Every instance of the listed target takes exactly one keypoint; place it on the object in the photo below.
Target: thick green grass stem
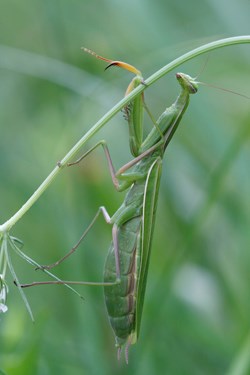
(112, 112)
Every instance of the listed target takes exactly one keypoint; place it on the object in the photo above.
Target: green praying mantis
(127, 262)
(128, 257)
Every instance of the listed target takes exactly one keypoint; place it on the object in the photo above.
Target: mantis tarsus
(126, 266)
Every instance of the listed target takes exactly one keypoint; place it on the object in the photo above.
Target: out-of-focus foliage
(196, 318)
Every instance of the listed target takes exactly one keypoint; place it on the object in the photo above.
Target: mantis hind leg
(108, 220)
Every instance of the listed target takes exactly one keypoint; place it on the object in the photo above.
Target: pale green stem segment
(111, 113)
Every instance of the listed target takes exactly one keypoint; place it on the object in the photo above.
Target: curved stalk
(112, 112)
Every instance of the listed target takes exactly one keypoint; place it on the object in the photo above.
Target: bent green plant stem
(112, 112)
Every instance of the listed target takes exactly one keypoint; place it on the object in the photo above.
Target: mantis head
(187, 83)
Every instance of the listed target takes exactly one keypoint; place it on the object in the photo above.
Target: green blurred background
(196, 317)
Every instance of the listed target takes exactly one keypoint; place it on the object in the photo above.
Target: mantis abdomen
(120, 298)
